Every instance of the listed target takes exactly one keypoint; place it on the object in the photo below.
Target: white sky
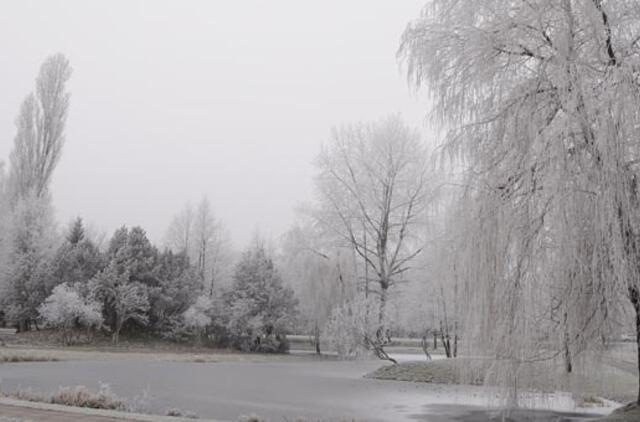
(172, 100)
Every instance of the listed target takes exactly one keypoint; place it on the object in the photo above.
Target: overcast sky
(173, 100)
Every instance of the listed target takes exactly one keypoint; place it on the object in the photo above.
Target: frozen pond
(330, 390)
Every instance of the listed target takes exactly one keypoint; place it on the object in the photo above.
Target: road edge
(125, 416)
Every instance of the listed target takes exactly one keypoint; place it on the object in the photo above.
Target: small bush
(174, 412)
(80, 396)
(29, 395)
(66, 308)
(250, 418)
(179, 413)
(26, 358)
(273, 344)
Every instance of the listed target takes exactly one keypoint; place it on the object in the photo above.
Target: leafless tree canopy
(373, 189)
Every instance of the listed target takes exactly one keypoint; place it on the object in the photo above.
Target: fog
(173, 100)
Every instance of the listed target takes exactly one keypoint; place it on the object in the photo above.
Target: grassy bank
(601, 380)
(628, 413)
(44, 346)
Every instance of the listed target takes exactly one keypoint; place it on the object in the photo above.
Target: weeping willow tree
(539, 101)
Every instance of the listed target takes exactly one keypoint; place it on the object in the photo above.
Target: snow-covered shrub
(174, 329)
(197, 318)
(66, 309)
(81, 396)
(349, 325)
(173, 411)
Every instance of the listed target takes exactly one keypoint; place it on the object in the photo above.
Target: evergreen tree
(259, 307)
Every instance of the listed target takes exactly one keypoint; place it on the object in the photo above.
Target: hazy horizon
(171, 103)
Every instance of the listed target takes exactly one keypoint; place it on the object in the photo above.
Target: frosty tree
(259, 307)
(539, 101)
(203, 238)
(373, 191)
(66, 308)
(318, 274)
(40, 135)
(28, 239)
(123, 300)
(197, 316)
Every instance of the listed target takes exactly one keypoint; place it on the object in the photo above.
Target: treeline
(349, 258)
(70, 283)
(133, 287)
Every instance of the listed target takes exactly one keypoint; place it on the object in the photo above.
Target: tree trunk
(425, 346)
(634, 296)
(23, 325)
(568, 365)
(115, 338)
(455, 345)
(380, 334)
(435, 340)
(316, 338)
(444, 337)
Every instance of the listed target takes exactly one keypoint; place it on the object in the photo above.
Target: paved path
(37, 415)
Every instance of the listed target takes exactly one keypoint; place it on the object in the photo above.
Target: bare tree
(373, 192)
(40, 135)
(539, 99)
(318, 273)
(204, 239)
(179, 234)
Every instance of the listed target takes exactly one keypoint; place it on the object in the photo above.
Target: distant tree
(198, 316)
(31, 244)
(118, 243)
(204, 230)
(132, 251)
(76, 232)
(40, 136)
(199, 234)
(66, 308)
(29, 235)
(141, 256)
(122, 299)
(77, 259)
(260, 310)
(311, 266)
(179, 286)
(179, 234)
(373, 191)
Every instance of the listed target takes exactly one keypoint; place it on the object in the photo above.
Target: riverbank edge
(125, 416)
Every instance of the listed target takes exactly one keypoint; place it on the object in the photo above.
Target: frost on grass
(104, 398)
(173, 411)
(78, 396)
